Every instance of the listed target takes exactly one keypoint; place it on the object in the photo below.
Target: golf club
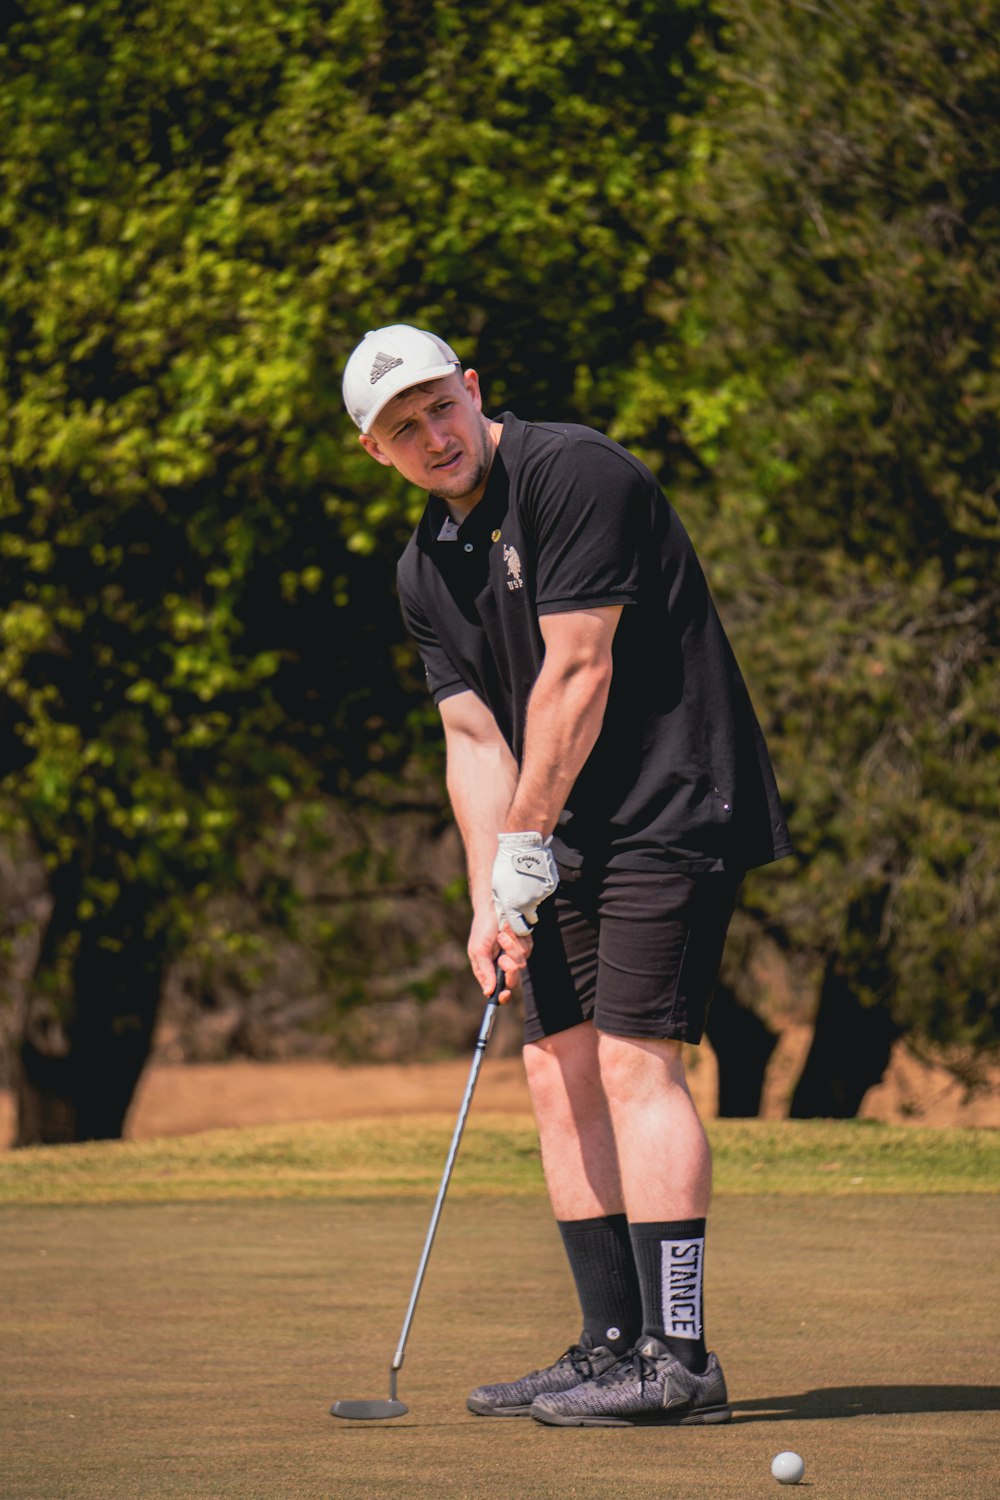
(368, 1411)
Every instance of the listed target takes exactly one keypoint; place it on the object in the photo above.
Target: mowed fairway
(161, 1341)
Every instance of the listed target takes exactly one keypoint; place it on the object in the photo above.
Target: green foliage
(757, 241)
(837, 386)
(202, 211)
(144, 403)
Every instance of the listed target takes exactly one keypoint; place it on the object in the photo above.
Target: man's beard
(483, 461)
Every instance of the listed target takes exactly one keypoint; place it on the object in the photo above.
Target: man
(611, 785)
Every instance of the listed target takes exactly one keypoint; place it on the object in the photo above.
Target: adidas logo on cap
(382, 365)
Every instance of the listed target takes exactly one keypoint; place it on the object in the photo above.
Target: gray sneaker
(583, 1361)
(647, 1387)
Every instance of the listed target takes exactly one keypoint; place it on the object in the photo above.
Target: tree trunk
(89, 1022)
(849, 1053)
(742, 1044)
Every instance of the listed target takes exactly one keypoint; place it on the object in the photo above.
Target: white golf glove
(524, 873)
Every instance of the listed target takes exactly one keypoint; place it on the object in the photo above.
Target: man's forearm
(513, 874)
(565, 715)
(481, 781)
(482, 775)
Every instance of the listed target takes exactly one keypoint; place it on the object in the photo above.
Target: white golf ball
(787, 1468)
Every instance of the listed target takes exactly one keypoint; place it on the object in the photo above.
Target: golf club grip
(485, 1030)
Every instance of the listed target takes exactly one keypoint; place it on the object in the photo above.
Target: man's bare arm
(481, 777)
(565, 714)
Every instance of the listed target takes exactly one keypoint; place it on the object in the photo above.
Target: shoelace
(579, 1358)
(631, 1366)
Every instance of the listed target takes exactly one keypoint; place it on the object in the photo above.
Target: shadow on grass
(808, 1406)
(867, 1401)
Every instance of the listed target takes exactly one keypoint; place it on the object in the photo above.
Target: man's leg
(579, 1156)
(666, 1192)
(575, 1131)
(644, 1082)
(581, 1171)
(580, 1162)
(661, 940)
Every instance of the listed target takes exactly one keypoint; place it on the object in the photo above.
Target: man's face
(437, 437)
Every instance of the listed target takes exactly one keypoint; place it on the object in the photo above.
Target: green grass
(366, 1159)
(190, 1351)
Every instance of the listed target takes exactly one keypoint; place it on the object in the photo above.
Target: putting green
(191, 1350)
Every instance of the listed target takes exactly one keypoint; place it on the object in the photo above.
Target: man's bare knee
(563, 1067)
(631, 1066)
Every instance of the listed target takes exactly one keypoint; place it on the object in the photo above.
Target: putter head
(368, 1411)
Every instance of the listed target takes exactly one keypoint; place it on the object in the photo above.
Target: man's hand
(488, 947)
(524, 874)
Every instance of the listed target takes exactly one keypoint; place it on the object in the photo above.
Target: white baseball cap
(390, 360)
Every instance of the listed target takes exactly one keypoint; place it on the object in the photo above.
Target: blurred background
(757, 241)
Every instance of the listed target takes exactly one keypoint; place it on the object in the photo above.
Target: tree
(835, 380)
(758, 241)
(202, 210)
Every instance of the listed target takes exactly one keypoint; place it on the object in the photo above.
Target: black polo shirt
(680, 776)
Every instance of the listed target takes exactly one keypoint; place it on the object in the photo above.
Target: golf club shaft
(489, 1016)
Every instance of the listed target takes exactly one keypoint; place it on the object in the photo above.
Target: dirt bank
(181, 1100)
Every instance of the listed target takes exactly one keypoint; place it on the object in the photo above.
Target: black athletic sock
(600, 1257)
(670, 1259)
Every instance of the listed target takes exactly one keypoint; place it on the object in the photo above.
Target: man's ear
(370, 445)
(471, 382)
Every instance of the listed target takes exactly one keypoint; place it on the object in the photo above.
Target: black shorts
(637, 953)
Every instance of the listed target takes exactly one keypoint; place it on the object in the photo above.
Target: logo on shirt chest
(514, 579)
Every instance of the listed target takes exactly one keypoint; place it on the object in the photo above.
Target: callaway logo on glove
(524, 873)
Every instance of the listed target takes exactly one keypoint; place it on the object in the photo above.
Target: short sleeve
(443, 680)
(590, 513)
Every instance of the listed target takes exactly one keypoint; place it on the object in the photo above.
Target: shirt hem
(450, 690)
